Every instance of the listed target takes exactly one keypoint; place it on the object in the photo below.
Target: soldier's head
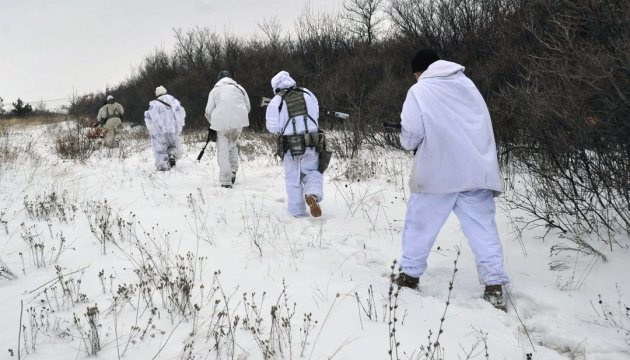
(223, 74)
(281, 81)
(422, 60)
(159, 91)
(110, 99)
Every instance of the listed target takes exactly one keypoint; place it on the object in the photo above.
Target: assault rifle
(392, 125)
(264, 101)
(395, 126)
(212, 136)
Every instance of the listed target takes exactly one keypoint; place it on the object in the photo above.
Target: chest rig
(296, 109)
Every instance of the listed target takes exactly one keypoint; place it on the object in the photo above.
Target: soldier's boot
(494, 295)
(313, 205)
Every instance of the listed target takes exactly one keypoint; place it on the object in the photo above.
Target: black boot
(233, 177)
(494, 295)
(404, 280)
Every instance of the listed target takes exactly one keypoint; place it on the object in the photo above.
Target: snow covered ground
(114, 259)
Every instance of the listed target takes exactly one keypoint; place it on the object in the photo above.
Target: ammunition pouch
(324, 154)
(114, 115)
(297, 144)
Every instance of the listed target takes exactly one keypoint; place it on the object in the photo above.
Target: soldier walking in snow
(165, 120)
(110, 118)
(293, 114)
(227, 112)
(445, 119)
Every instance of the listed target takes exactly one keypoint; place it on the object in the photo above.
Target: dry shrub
(71, 142)
(35, 119)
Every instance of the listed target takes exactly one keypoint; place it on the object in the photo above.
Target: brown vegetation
(33, 120)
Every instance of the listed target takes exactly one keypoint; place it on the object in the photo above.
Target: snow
(250, 255)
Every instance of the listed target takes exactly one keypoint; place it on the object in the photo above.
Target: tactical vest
(297, 143)
(296, 104)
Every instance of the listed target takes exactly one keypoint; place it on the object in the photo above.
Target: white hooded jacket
(277, 120)
(445, 117)
(228, 106)
(163, 119)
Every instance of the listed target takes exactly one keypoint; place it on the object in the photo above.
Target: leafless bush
(48, 206)
(574, 142)
(614, 315)
(276, 340)
(90, 336)
(71, 142)
(5, 272)
(43, 251)
(101, 221)
(14, 152)
(8, 152)
(4, 223)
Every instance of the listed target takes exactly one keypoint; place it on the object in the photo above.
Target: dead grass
(34, 120)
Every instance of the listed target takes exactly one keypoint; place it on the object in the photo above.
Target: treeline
(554, 73)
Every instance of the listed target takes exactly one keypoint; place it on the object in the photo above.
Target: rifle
(210, 136)
(392, 125)
(264, 101)
(395, 126)
(337, 114)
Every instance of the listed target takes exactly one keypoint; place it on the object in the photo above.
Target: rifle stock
(204, 147)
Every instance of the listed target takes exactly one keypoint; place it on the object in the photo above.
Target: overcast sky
(52, 48)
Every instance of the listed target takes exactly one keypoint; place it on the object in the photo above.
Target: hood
(441, 68)
(225, 81)
(282, 80)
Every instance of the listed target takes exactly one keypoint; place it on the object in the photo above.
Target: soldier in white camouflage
(293, 114)
(110, 118)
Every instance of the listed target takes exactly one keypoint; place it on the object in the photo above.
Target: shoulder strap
(304, 116)
(163, 102)
(242, 92)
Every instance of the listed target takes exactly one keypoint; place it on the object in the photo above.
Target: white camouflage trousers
(302, 178)
(227, 154)
(427, 213)
(114, 128)
(165, 145)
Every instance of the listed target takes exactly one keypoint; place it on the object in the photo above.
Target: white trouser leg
(113, 127)
(426, 214)
(160, 148)
(293, 186)
(233, 136)
(476, 213)
(312, 179)
(174, 145)
(225, 150)
(302, 178)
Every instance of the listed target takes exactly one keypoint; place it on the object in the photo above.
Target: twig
(57, 279)
(322, 327)
(509, 294)
(20, 329)
(168, 338)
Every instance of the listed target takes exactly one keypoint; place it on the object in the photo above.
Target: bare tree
(363, 19)
(272, 29)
